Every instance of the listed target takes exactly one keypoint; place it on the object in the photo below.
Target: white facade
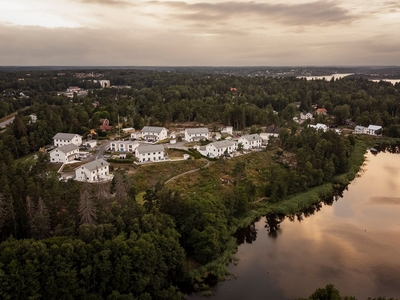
(306, 116)
(374, 130)
(227, 130)
(63, 139)
(105, 83)
(150, 153)
(136, 135)
(123, 146)
(94, 171)
(91, 144)
(217, 149)
(360, 129)
(319, 126)
(154, 133)
(33, 118)
(64, 154)
(196, 134)
(250, 141)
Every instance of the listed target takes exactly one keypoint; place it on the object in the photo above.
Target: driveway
(6, 122)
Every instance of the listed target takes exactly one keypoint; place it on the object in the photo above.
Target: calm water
(353, 243)
(327, 77)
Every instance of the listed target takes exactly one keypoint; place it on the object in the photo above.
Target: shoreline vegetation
(217, 270)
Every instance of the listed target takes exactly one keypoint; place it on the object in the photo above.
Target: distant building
(154, 133)
(64, 153)
(271, 131)
(62, 139)
(321, 111)
(150, 153)
(227, 130)
(250, 141)
(196, 134)
(374, 130)
(123, 146)
(360, 130)
(306, 116)
(217, 149)
(105, 83)
(105, 125)
(94, 171)
(33, 118)
(319, 126)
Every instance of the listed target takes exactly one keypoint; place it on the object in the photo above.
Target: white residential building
(227, 130)
(374, 130)
(360, 130)
(319, 126)
(250, 141)
(64, 153)
(306, 116)
(62, 139)
(123, 146)
(196, 134)
(94, 171)
(91, 143)
(217, 149)
(136, 135)
(33, 118)
(149, 153)
(154, 133)
(105, 83)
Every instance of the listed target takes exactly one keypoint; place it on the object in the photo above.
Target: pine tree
(87, 209)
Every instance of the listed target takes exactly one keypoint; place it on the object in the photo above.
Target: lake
(353, 243)
(392, 81)
(327, 77)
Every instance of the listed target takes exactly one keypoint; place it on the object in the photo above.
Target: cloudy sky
(199, 32)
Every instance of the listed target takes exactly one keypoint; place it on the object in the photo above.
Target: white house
(64, 153)
(319, 126)
(94, 171)
(374, 130)
(154, 133)
(145, 153)
(62, 139)
(33, 118)
(306, 116)
(91, 144)
(105, 83)
(217, 149)
(360, 129)
(227, 130)
(250, 141)
(123, 146)
(128, 130)
(136, 135)
(196, 134)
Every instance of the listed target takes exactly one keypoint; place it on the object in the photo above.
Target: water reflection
(352, 243)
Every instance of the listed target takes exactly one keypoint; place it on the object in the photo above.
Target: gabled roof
(152, 129)
(65, 136)
(66, 148)
(222, 144)
(374, 127)
(197, 130)
(273, 129)
(149, 148)
(252, 137)
(93, 165)
(359, 127)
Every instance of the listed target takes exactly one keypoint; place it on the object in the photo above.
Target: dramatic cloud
(204, 32)
(315, 13)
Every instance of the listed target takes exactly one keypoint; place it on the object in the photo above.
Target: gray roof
(149, 148)
(197, 130)
(65, 136)
(67, 148)
(360, 127)
(222, 144)
(272, 129)
(93, 165)
(374, 127)
(252, 137)
(152, 129)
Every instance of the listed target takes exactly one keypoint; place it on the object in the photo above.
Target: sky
(199, 32)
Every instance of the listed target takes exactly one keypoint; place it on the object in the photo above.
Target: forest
(69, 240)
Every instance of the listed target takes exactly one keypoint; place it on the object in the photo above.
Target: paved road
(102, 149)
(6, 122)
